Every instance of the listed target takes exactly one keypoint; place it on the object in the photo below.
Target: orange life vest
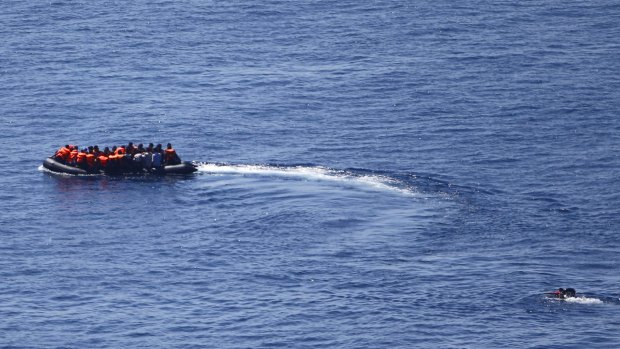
(120, 151)
(170, 155)
(73, 155)
(63, 153)
(103, 160)
(81, 157)
(90, 159)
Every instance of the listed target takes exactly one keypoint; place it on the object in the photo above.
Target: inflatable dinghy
(185, 167)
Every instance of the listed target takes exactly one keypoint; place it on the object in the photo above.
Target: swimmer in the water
(563, 293)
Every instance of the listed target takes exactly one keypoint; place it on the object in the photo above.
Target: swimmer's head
(569, 292)
(563, 293)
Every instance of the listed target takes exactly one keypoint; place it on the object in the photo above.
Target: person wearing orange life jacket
(121, 161)
(102, 158)
(113, 159)
(63, 154)
(73, 147)
(73, 155)
(81, 159)
(90, 159)
(170, 156)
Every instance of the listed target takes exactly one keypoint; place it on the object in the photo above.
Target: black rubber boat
(185, 167)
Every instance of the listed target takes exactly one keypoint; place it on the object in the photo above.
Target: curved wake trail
(314, 173)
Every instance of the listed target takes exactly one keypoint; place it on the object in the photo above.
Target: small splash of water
(583, 300)
(316, 173)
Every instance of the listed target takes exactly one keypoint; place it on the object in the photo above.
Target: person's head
(67, 146)
(158, 147)
(169, 146)
(114, 148)
(96, 148)
(106, 151)
(558, 293)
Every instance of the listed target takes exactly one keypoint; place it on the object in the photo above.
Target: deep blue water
(385, 174)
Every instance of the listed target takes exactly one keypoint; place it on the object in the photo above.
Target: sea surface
(372, 174)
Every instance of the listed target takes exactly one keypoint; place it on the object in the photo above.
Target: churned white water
(316, 173)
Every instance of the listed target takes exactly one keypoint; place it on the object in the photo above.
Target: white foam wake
(583, 300)
(311, 173)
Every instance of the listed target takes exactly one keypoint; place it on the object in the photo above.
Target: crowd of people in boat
(127, 158)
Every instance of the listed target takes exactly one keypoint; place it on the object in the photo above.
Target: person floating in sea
(562, 293)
